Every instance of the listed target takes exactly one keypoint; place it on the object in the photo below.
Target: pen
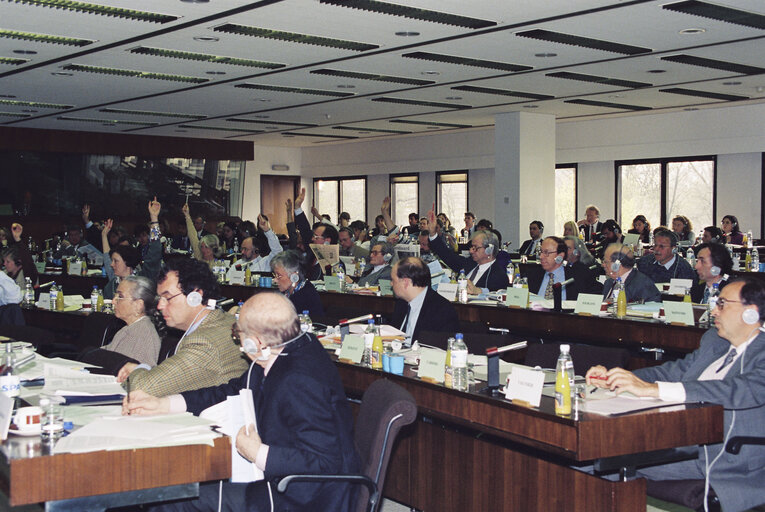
(127, 388)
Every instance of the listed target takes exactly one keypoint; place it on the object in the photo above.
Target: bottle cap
(68, 425)
(305, 311)
(458, 336)
(565, 348)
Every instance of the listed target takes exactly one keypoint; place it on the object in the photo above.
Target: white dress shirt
(414, 313)
(260, 264)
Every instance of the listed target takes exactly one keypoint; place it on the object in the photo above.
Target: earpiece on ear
(194, 299)
(750, 316)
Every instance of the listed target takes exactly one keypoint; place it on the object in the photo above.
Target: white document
(63, 381)
(679, 286)
(6, 412)
(36, 369)
(236, 276)
(241, 412)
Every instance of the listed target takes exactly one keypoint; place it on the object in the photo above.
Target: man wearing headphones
(320, 234)
(552, 269)
(728, 369)
(482, 269)
(379, 265)
(713, 265)
(348, 246)
(529, 247)
(251, 253)
(665, 264)
(205, 355)
(619, 262)
(304, 423)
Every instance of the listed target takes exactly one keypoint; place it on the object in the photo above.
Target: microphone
(356, 320)
(225, 302)
(45, 285)
(557, 295)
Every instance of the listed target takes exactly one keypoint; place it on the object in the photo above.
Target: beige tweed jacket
(206, 357)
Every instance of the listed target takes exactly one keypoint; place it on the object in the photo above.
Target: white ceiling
(336, 108)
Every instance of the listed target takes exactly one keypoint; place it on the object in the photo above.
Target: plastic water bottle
(714, 294)
(621, 299)
(755, 261)
(341, 277)
(736, 261)
(236, 246)
(448, 368)
(377, 350)
(94, 299)
(691, 258)
(564, 371)
(462, 292)
(306, 324)
(52, 421)
(459, 363)
(29, 293)
(510, 272)
(362, 266)
(749, 240)
(369, 339)
(53, 295)
(9, 380)
(239, 308)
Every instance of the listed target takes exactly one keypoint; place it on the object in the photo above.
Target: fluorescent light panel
(44, 38)
(131, 73)
(292, 37)
(412, 13)
(204, 57)
(101, 10)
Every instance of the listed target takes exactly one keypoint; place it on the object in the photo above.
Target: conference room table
(467, 451)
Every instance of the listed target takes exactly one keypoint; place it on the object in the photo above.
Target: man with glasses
(553, 269)
(320, 234)
(482, 269)
(665, 263)
(251, 252)
(205, 355)
(728, 369)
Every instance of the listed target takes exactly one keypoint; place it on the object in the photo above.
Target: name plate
(432, 364)
(588, 303)
(353, 348)
(332, 283)
(447, 291)
(679, 286)
(236, 276)
(517, 297)
(525, 384)
(386, 287)
(678, 312)
(75, 269)
(40, 266)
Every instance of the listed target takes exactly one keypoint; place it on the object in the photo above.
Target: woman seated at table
(205, 249)
(570, 229)
(290, 278)
(683, 228)
(136, 304)
(641, 226)
(732, 231)
(379, 265)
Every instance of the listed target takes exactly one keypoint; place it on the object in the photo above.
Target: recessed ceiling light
(453, 98)
(61, 73)
(25, 52)
(207, 39)
(531, 106)
(692, 31)
(732, 83)
(407, 33)
(214, 72)
(759, 88)
(657, 71)
(262, 100)
(433, 73)
(544, 55)
(346, 86)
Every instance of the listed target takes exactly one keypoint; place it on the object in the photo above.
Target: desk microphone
(492, 364)
(45, 285)
(557, 288)
(225, 302)
(346, 321)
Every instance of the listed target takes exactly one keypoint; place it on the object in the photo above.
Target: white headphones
(558, 259)
(489, 249)
(715, 270)
(294, 278)
(750, 316)
(250, 347)
(194, 299)
(387, 257)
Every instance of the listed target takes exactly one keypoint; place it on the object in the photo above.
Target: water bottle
(714, 294)
(236, 246)
(448, 368)
(306, 324)
(687, 296)
(736, 261)
(691, 258)
(94, 299)
(51, 422)
(755, 261)
(377, 350)
(9, 380)
(650, 239)
(462, 292)
(60, 299)
(459, 363)
(239, 308)
(53, 295)
(29, 293)
(100, 301)
(564, 378)
(749, 240)
(362, 266)
(510, 272)
(369, 338)
(341, 277)
(621, 299)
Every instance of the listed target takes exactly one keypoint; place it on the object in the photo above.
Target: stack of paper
(60, 381)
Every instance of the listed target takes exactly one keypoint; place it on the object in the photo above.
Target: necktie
(705, 299)
(549, 289)
(728, 360)
(472, 275)
(406, 318)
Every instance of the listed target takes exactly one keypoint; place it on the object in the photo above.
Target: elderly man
(590, 226)
(665, 263)
(553, 269)
(251, 253)
(205, 355)
(304, 424)
(482, 269)
(348, 246)
(619, 263)
(379, 265)
(713, 265)
(418, 308)
(728, 369)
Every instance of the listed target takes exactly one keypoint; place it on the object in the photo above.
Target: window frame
(338, 180)
(392, 180)
(663, 163)
(466, 172)
(574, 166)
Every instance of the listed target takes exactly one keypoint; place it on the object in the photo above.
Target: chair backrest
(385, 408)
(98, 329)
(10, 314)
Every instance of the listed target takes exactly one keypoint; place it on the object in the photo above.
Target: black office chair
(385, 408)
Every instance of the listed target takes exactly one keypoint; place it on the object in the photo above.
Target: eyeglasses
(235, 334)
(375, 252)
(476, 247)
(168, 299)
(549, 253)
(722, 302)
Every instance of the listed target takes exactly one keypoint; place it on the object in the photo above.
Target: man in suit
(552, 269)
(713, 265)
(728, 369)
(379, 265)
(304, 423)
(529, 247)
(347, 245)
(590, 226)
(665, 263)
(482, 269)
(205, 355)
(418, 308)
(320, 234)
(619, 263)
(470, 227)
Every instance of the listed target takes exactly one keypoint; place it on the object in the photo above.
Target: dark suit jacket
(437, 314)
(637, 286)
(304, 418)
(697, 290)
(584, 280)
(585, 230)
(307, 299)
(495, 278)
(680, 269)
(313, 269)
(526, 247)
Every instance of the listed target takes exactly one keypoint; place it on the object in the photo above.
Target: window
(452, 195)
(335, 195)
(565, 196)
(404, 197)
(663, 189)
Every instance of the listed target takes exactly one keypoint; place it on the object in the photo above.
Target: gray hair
(291, 261)
(271, 317)
(585, 256)
(143, 289)
(489, 238)
(212, 242)
(385, 247)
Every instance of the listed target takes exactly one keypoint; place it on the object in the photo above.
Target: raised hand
(86, 213)
(263, 223)
(154, 208)
(300, 198)
(185, 210)
(17, 229)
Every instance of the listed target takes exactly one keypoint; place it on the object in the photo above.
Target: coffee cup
(27, 419)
